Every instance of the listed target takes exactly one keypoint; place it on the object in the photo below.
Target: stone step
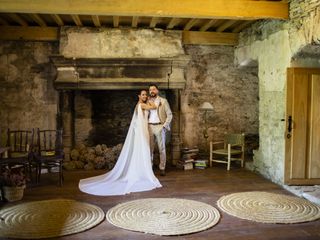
(312, 193)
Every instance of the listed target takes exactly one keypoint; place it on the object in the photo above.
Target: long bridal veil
(133, 170)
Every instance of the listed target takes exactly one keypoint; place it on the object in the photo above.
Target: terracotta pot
(12, 194)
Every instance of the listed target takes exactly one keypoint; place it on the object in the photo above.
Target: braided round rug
(49, 218)
(164, 216)
(269, 207)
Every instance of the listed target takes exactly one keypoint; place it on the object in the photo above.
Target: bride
(133, 170)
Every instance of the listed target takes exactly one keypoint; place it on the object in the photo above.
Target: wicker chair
(233, 150)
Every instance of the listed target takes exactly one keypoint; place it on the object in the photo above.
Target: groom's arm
(148, 106)
(167, 109)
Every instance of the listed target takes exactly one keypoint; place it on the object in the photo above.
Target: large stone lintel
(60, 61)
(119, 74)
(117, 85)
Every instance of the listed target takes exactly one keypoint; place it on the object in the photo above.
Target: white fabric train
(133, 170)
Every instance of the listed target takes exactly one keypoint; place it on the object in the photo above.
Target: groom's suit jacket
(164, 113)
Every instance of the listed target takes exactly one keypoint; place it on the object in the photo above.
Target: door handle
(289, 126)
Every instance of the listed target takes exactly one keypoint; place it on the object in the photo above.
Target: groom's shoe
(162, 172)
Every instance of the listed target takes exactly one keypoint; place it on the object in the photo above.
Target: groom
(159, 123)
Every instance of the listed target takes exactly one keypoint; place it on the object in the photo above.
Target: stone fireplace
(98, 85)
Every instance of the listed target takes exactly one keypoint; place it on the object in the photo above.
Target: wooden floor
(202, 185)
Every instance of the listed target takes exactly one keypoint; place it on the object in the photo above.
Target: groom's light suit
(158, 125)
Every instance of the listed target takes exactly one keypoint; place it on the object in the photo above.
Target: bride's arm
(148, 106)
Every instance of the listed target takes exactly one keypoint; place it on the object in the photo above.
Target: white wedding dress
(133, 170)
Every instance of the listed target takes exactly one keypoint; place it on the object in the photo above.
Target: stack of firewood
(98, 157)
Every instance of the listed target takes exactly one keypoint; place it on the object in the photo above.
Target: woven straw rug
(269, 207)
(164, 216)
(50, 218)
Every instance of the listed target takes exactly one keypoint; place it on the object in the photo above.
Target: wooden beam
(154, 22)
(135, 21)
(116, 21)
(242, 26)
(173, 22)
(15, 17)
(190, 24)
(57, 19)
(220, 9)
(209, 38)
(225, 25)
(29, 33)
(96, 20)
(76, 20)
(209, 24)
(35, 17)
(3, 21)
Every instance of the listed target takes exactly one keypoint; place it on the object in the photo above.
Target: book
(188, 166)
(200, 164)
(185, 166)
(189, 160)
(190, 151)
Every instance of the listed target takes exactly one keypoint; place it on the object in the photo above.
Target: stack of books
(200, 164)
(188, 156)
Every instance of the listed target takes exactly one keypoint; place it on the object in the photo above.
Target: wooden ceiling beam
(153, 22)
(190, 24)
(135, 21)
(52, 34)
(96, 20)
(77, 20)
(35, 17)
(219, 9)
(173, 22)
(29, 33)
(209, 38)
(15, 17)
(207, 25)
(225, 25)
(57, 19)
(116, 20)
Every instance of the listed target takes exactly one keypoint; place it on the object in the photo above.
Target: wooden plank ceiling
(202, 21)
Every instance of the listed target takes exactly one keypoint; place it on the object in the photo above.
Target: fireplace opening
(104, 116)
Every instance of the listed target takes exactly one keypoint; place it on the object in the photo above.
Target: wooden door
(302, 157)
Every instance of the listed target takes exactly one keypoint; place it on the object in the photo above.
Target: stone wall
(119, 43)
(274, 46)
(212, 77)
(28, 99)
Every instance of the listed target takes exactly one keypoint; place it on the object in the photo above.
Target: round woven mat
(50, 218)
(164, 216)
(269, 207)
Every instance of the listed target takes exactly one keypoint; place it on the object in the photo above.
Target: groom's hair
(153, 85)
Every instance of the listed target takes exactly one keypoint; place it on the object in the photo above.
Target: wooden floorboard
(202, 185)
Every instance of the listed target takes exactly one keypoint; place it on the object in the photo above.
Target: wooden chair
(49, 152)
(19, 146)
(233, 150)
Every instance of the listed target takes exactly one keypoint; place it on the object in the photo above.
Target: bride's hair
(139, 93)
(142, 90)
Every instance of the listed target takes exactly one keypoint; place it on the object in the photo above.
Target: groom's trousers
(158, 133)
